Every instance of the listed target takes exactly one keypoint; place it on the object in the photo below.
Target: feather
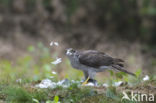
(95, 59)
(122, 70)
(118, 62)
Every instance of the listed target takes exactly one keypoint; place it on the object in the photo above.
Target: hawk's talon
(86, 81)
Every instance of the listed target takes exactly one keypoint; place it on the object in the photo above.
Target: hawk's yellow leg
(85, 82)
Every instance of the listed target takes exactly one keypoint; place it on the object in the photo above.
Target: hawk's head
(70, 52)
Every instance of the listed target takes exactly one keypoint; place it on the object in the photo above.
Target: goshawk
(92, 61)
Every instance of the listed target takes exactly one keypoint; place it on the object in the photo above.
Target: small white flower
(53, 72)
(57, 61)
(146, 78)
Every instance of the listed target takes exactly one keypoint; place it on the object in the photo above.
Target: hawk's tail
(118, 62)
(122, 70)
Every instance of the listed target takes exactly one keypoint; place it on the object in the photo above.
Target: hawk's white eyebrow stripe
(68, 52)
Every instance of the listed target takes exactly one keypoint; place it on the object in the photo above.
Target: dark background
(121, 28)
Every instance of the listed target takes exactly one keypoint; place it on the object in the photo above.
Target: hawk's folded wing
(95, 59)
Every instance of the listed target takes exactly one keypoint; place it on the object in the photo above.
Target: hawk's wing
(95, 59)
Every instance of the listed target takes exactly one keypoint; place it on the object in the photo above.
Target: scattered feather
(54, 43)
(51, 43)
(105, 85)
(73, 81)
(146, 78)
(57, 61)
(116, 84)
(47, 83)
(53, 72)
(89, 84)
